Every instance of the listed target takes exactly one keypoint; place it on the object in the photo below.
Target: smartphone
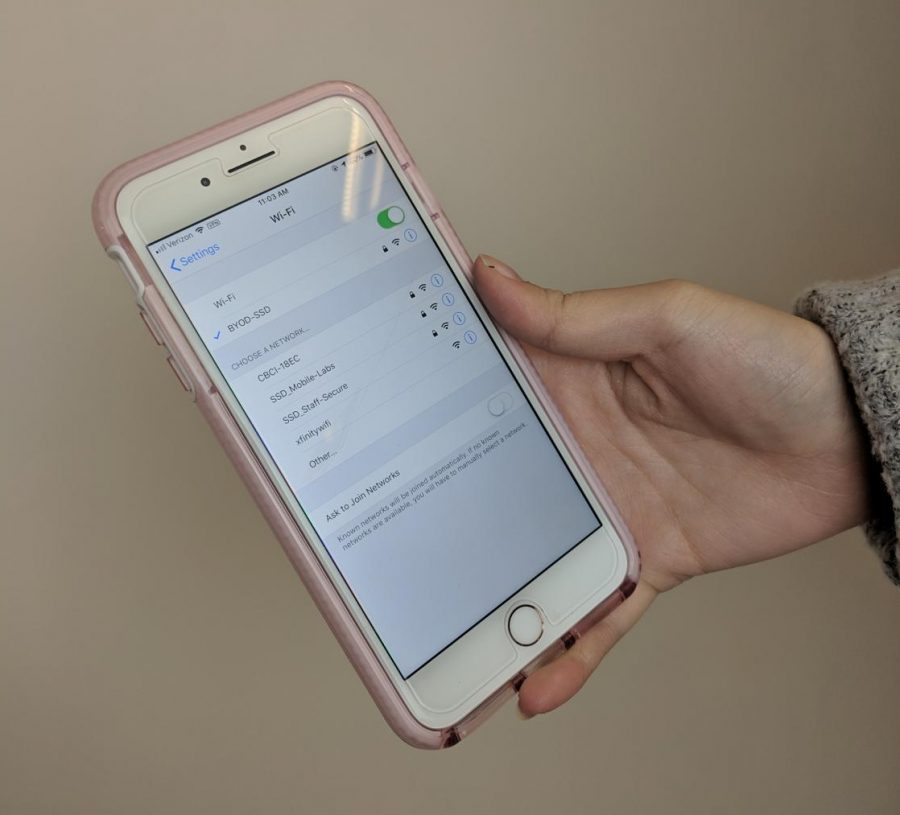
(315, 302)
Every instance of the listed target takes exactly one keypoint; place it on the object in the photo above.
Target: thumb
(604, 324)
(556, 683)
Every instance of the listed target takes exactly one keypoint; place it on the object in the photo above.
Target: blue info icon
(470, 337)
(448, 299)
(437, 280)
(459, 318)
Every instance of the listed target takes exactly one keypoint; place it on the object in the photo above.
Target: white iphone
(316, 303)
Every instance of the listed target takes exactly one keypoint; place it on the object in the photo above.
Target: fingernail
(523, 715)
(497, 265)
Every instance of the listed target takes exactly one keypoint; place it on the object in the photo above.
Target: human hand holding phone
(724, 429)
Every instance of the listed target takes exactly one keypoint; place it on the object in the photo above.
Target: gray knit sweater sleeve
(863, 319)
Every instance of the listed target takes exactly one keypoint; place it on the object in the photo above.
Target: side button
(182, 378)
(412, 172)
(131, 274)
(147, 320)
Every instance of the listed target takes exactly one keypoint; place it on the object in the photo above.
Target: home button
(525, 625)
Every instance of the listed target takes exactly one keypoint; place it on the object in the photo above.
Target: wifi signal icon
(433, 306)
(199, 230)
(456, 344)
(396, 241)
(422, 287)
(445, 325)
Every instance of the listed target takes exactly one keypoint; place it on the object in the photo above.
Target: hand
(721, 428)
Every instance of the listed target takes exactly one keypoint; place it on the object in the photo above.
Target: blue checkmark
(217, 335)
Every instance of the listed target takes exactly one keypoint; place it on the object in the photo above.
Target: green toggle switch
(390, 217)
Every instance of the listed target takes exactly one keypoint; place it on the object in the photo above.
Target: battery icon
(369, 152)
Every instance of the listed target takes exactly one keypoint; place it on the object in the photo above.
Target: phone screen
(356, 355)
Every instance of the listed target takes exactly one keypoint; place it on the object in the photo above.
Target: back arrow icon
(173, 267)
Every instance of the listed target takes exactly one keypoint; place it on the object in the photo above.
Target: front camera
(205, 181)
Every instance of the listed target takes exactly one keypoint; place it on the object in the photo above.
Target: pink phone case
(226, 429)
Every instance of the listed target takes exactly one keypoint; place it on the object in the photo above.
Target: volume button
(181, 376)
(149, 322)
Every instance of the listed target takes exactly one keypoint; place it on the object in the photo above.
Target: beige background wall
(157, 654)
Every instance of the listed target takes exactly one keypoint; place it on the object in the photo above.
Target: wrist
(862, 318)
